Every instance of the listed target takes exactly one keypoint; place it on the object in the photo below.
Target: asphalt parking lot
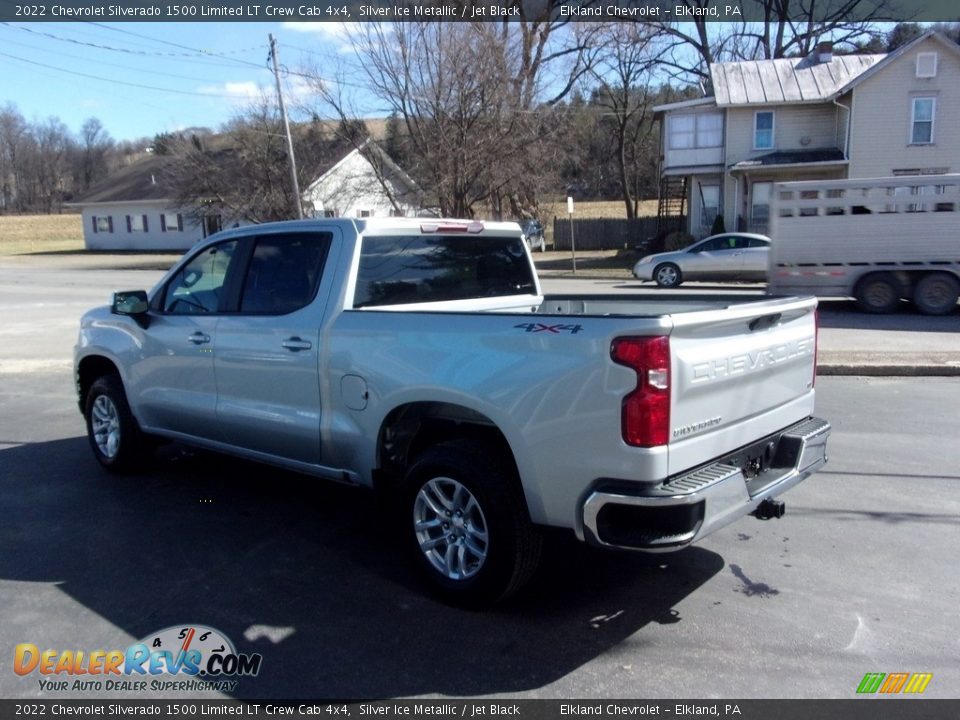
(858, 577)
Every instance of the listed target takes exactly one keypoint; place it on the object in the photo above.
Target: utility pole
(286, 127)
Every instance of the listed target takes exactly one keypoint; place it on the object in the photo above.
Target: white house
(825, 116)
(364, 182)
(135, 209)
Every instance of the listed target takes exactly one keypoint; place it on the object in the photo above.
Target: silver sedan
(729, 256)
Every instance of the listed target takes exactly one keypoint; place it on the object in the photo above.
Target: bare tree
(468, 102)
(774, 29)
(13, 133)
(91, 157)
(242, 173)
(50, 149)
(624, 73)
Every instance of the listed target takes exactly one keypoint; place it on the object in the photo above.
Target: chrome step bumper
(694, 504)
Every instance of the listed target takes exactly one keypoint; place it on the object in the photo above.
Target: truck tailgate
(739, 374)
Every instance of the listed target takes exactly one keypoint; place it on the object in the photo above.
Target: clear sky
(140, 79)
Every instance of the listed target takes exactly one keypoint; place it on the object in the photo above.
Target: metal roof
(787, 80)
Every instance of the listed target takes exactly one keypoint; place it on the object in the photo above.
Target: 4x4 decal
(556, 329)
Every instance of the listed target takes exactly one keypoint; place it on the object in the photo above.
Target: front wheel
(114, 434)
(667, 275)
(468, 526)
(878, 293)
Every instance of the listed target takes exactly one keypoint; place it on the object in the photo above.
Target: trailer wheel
(878, 293)
(936, 293)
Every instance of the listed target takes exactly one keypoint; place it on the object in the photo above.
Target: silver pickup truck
(420, 358)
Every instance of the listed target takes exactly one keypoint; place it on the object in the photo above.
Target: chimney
(824, 51)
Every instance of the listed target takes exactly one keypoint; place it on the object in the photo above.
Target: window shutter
(95, 224)
(163, 222)
(110, 223)
(145, 228)
(129, 224)
(179, 222)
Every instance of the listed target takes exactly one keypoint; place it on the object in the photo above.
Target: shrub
(677, 240)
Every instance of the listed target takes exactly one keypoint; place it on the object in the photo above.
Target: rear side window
(283, 273)
(433, 268)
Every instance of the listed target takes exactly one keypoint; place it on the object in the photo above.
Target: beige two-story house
(825, 116)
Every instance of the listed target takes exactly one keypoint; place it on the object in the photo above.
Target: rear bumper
(694, 504)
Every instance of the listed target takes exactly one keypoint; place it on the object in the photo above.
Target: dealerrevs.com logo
(183, 657)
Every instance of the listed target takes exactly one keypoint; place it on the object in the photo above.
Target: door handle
(199, 338)
(296, 344)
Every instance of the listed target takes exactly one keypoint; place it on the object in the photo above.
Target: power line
(115, 81)
(194, 52)
(109, 64)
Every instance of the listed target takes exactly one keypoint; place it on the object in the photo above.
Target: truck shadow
(204, 539)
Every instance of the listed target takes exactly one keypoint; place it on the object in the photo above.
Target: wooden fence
(604, 234)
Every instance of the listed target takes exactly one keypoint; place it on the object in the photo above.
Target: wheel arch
(89, 369)
(410, 428)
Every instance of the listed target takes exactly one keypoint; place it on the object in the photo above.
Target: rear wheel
(468, 526)
(878, 293)
(667, 275)
(936, 294)
(114, 434)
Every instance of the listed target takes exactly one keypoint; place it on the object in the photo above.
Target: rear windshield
(397, 270)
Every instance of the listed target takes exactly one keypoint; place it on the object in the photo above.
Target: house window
(763, 130)
(329, 213)
(921, 122)
(136, 223)
(709, 205)
(171, 222)
(703, 130)
(709, 130)
(102, 224)
(683, 132)
(926, 65)
(364, 213)
(760, 206)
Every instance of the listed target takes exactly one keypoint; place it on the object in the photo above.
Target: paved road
(858, 577)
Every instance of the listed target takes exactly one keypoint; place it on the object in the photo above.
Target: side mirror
(133, 303)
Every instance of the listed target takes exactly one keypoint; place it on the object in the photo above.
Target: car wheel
(667, 275)
(878, 293)
(114, 434)
(936, 294)
(468, 526)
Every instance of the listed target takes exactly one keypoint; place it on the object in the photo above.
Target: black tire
(936, 293)
(667, 275)
(116, 439)
(467, 524)
(878, 293)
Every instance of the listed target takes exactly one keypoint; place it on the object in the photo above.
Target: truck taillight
(646, 410)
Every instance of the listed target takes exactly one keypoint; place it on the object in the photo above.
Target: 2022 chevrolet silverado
(421, 358)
